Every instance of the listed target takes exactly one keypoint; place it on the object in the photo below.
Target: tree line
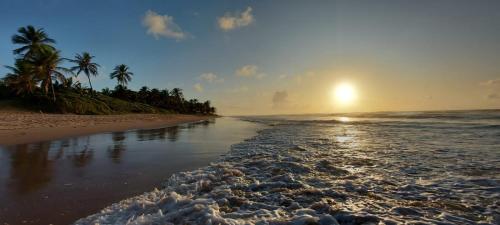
(39, 71)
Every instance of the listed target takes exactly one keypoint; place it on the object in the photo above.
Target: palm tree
(121, 74)
(47, 68)
(21, 78)
(206, 107)
(106, 91)
(85, 65)
(33, 41)
(178, 97)
(143, 94)
(177, 94)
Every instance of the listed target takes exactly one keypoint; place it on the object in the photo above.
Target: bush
(4, 91)
(71, 102)
(122, 106)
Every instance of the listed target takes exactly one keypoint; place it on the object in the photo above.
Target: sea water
(376, 168)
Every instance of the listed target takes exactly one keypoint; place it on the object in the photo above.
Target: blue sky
(283, 56)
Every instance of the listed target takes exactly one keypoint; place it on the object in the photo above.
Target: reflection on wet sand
(158, 134)
(32, 164)
(170, 133)
(83, 157)
(57, 182)
(31, 167)
(118, 146)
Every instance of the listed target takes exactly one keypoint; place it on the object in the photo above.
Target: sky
(283, 57)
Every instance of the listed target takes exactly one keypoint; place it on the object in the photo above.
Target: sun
(344, 93)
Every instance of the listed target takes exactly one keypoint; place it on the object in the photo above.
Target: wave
(301, 172)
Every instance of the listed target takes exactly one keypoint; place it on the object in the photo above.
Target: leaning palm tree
(21, 78)
(32, 40)
(47, 68)
(85, 65)
(121, 74)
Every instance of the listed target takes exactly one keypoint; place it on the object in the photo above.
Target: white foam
(279, 177)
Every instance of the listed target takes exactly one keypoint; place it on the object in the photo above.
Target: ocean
(364, 168)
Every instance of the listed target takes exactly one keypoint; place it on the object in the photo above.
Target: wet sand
(59, 181)
(25, 127)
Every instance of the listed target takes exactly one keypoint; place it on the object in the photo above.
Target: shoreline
(24, 128)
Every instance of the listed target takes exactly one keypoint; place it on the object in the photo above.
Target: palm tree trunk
(91, 92)
(53, 92)
(45, 87)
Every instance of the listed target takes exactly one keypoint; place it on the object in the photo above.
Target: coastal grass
(75, 103)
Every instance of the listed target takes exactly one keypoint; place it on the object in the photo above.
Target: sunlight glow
(344, 93)
(344, 119)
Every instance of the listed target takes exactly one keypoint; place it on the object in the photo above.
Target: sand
(24, 127)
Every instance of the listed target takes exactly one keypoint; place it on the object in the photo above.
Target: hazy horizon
(276, 57)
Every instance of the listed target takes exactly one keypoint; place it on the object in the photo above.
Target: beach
(61, 180)
(378, 168)
(19, 127)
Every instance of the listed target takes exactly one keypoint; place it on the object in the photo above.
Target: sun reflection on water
(344, 119)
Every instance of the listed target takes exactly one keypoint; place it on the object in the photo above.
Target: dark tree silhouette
(21, 79)
(85, 65)
(32, 40)
(39, 70)
(121, 74)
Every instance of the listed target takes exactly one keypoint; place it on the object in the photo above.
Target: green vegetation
(85, 65)
(39, 81)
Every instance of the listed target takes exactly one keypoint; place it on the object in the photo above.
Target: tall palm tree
(32, 40)
(178, 98)
(121, 74)
(206, 107)
(85, 65)
(177, 93)
(21, 78)
(47, 68)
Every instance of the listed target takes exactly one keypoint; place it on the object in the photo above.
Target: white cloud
(490, 82)
(250, 71)
(247, 71)
(261, 75)
(210, 78)
(197, 87)
(299, 79)
(283, 76)
(239, 89)
(162, 25)
(232, 21)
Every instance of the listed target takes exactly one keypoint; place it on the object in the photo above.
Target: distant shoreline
(24, 127)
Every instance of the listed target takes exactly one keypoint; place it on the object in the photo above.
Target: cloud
(283, 76)
(247, 71)
(299, 79)
(493, 96)
(490, 82)
(280, 99)
(210, 78)
(261, 75)
(162, 26)
(232, 21)
(197, 87)
(239, 89)
(250, 71)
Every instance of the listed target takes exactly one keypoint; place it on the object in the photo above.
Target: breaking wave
(332, 173)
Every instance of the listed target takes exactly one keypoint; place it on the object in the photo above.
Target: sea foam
(310, 173)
